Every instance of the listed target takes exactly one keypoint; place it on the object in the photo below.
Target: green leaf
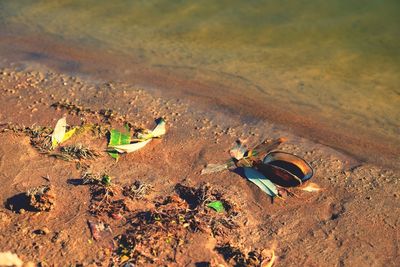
(118, 138)
(261, 181)
(106, 180)
(114, 154)
(217, 206)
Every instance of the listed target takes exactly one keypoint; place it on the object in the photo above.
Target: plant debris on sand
(104, 195)
(40, 136)
(137, 190)
(236, 256)
(79, 152)
(155, 236)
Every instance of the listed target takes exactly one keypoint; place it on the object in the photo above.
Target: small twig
(47, 178)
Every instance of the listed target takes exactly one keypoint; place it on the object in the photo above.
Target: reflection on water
(339, 59)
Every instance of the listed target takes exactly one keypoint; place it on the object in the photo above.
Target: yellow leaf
(69, 134)
(124, 258)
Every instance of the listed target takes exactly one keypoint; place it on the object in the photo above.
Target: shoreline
(196, 86)
(310, 229)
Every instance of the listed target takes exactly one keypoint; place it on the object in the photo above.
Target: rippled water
(337, 61)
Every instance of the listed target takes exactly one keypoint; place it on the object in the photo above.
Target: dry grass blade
(72, 108)
(104, 194)
(40, 136)
(91, 178)
(79, 152)
(237, 256)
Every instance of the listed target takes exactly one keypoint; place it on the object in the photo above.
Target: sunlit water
(338, 60)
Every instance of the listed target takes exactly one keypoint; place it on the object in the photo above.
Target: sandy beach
(352, 221)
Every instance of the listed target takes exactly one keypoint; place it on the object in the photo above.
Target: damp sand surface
(327, 71)
(353, 221)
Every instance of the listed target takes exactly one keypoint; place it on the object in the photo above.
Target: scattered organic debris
(43, 231)
(41, 198)
(40, 136)
(104, 194)
(72, 108)
(79, 152)
(121, 142)
(102, 180)
(91, 178)
(46, 139)
(137, 190)
(154, 236)
(241, 156)
(235, 256)
(99, 229)
(98, 130)
(282, 169)
(108, 115)
(106, 180)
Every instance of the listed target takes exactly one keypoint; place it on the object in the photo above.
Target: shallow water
(336, 62)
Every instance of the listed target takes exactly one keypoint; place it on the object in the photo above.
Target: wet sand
(197, 86)
(352, 222)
